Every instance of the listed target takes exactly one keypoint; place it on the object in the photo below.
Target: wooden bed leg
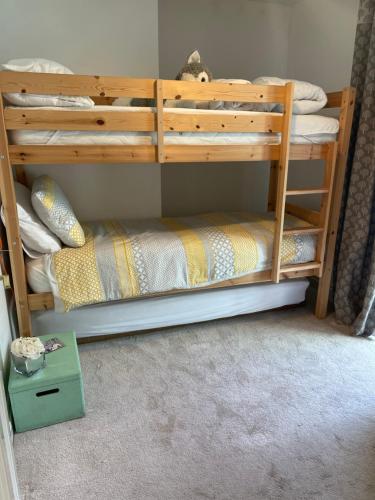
(12, 229)
(272, 186)
(329, 175)
(159, 119)
(21, 175)
(346, 118)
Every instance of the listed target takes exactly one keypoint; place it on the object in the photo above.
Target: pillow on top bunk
(43, 66)
(230, 105)
(56, 212)
(36, 237)
(307, 98)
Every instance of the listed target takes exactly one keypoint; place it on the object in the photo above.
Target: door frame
(8, 474)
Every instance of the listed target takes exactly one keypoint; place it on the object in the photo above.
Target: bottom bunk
(139, 258)
(159, 312)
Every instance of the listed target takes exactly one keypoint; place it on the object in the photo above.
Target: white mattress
(306, 129)
(144, 314)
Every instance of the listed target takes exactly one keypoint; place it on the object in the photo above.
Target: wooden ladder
(317, 225)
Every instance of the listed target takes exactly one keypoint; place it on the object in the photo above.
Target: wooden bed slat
(138, 154)
(334, 99)
(185, 153)
(220, 122)
(308, 151)
(44, 301)
(300, 267)
(82, 154)
(40, 301)
(311, 216)
(39, 119)
(302, 192)
(180, 90)
(143, 121)
(76, 85)
(49, 154)
(302, 230)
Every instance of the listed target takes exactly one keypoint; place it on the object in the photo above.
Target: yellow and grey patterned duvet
(127, 259)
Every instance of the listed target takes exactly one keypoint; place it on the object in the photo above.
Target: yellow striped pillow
(53, 208)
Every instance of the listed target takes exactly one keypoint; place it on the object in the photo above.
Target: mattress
(306, 129)
(134, 258)
(142, 314)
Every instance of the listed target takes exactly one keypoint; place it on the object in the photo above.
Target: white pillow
(231, 105)
(43, 66)
(307, 98)
(36, 237)
(240, 81)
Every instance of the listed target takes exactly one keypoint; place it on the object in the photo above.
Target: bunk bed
(160, 122)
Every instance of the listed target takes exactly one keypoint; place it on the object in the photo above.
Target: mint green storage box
(52, 395)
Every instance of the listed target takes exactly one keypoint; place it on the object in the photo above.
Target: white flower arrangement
(27, 347)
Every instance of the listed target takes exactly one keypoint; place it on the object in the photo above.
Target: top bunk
(124, 134)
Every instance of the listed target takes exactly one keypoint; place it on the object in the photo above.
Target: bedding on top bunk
(305, 129)
(128, 259)
(307, 97)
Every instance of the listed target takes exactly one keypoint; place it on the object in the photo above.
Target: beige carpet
(276, 405)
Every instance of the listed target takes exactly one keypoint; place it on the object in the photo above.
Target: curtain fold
(355, 277)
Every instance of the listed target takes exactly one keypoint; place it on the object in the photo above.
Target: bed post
(346, 118)
(159, 119)
(8, 198)
(272, 186)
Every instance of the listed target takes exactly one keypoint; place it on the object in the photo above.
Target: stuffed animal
(193, 71)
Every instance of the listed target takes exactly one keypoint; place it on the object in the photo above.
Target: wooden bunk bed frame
(334, 154)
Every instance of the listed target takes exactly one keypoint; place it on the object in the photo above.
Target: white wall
(112, 37)
(238, 39)
(321, 41)
(321, 46)
(305, 39)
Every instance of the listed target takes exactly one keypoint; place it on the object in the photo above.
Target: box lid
(62, 365)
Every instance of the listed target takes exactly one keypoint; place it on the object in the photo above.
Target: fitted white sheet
(158, 312)
(306, 129)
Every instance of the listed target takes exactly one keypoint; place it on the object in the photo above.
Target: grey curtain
(355, 278)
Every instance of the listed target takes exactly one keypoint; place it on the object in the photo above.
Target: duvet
(127, 259)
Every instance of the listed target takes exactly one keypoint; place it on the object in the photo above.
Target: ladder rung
(302, 230)
(300, 267)
(296, 192)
